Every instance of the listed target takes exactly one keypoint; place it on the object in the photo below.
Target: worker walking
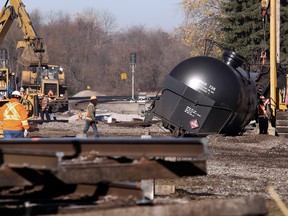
(13, 118)
(91, 117)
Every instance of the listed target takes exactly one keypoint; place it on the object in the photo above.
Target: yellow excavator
(39, 78)
(34, 52)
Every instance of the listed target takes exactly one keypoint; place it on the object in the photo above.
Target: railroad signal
(133, 58)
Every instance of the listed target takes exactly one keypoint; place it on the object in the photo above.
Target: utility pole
(133, 66)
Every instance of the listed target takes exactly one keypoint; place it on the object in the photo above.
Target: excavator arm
(34, 52)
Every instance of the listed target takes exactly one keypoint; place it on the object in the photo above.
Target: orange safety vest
(13, 116)
(262, 111)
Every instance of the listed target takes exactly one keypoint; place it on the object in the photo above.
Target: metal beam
(135, 147)
(93, 173)
(135, 171)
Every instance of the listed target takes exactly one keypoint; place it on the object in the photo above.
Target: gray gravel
(75, 126)
(237, 166)
(240, 166)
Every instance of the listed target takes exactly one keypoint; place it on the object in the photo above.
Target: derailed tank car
(204, 95)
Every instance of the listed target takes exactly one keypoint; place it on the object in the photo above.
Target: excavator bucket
(31, 58)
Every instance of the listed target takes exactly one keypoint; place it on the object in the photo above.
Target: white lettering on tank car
(190, 111)
(201, 86)
(211, 89)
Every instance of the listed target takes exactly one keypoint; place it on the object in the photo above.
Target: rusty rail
(154, 147)
(43, 167)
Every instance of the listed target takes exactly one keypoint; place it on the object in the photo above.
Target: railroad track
(44, 176)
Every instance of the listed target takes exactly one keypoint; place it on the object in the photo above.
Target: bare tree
(153, 48)
(93, 53)
(108, 21)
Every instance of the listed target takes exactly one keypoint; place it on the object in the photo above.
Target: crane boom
(38, 78)
(34, 52)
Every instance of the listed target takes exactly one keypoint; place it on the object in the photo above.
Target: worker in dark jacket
(91, 117)
(263, 117)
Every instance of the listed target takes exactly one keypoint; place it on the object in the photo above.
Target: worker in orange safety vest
(45, 108)
(13, 118)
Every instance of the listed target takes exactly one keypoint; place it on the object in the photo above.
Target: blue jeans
(94, 127)
(46, 113)
(13, 134)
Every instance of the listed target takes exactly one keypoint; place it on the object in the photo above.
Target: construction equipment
(278, 95)
(5, 77)
(39, 78)
(50, 81)
(34, 49)
(275, 85)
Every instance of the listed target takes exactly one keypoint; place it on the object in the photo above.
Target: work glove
(25, 133)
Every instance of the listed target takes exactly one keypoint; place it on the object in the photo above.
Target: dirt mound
(87, 93)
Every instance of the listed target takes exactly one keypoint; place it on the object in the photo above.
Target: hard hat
(16, 94)
(93, 97)
(22, 89)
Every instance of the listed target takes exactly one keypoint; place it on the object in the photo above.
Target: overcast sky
(165, 14)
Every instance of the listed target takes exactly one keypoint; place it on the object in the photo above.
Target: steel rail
(129, 147)
(37, 163)
(93, 173)
(106, 98)
(154, 169)
(46, 121)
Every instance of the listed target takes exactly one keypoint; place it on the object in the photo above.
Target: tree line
(237, 25)
(92, 53)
